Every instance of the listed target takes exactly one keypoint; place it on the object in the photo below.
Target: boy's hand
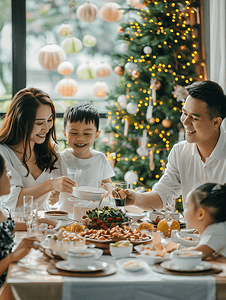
(108, 186)
(54, 197)
(132, 197)
(63, 184)
(24, 248)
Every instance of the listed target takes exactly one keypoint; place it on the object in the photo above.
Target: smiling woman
(28, 145)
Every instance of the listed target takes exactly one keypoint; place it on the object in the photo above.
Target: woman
(6, 232)
(27, 143)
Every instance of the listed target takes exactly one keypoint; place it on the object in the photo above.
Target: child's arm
(107, 185)
(206, 250)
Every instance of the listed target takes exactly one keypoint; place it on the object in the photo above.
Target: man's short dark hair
(211, 93)
(80, 112)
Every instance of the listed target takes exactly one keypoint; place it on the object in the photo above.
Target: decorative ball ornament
(71, 45)
(124, 47)
(50, 56)
(89, 40)
(131, 177)
(65, 30)
(136, 3)
(151, 120)
(132, 108)
(111, 12)
(120, 29)
(104, 70)
(100, 89)
(65, 68)
(122, 100)
(130, 67)
(67, 87)
(86, 71)
(135, 74)
(166, 123)
(157, 84)
(87, 12)
(119, 70)
(147, 50)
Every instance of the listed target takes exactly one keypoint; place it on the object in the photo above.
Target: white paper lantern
(147, 50)
(131, 177)
(100, 89)
(67, 87)
(130, 67)
(103, 70)
(89, 40)
(86, 71)
(65, 68)
(65, 29)
(71, 45)
(122, 100)
(132, 108)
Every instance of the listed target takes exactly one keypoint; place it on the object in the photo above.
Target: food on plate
(51, 223)
(75, 227)
(146, 226)
(188, 238)
(115, 233)
(106, 217)
(132, 264)
(163, 226)
(121, 244)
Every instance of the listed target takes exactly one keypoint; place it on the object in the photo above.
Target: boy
(81, 130)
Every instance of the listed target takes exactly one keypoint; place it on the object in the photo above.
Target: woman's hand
(63, 184)
(23, 249)
(54, 197)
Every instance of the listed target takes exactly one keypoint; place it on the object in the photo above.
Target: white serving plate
(93, 267)
(202, 266)
(88, 193)
(56, 214)
(122, 262)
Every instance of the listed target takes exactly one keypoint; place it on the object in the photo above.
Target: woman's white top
(19, 179)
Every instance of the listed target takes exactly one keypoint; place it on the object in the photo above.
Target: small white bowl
(185, 242)
(88, 193)
(150, 257)
(83, 257)
(121, 251)
(186, 260)
(131, 265)
(137, 217)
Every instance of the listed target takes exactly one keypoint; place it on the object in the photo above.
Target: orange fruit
(163, 226)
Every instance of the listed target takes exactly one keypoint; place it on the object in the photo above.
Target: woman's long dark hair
(19, 122)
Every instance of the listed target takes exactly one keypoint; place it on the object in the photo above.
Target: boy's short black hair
(80, 112)
(211, 93)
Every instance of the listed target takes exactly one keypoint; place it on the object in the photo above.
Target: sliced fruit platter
(104, 218)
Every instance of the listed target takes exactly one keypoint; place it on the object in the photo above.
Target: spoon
(158, 211)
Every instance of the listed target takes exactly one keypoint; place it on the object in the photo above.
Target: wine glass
(28, 209)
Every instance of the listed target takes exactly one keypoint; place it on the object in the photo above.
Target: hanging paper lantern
(87, 12)
(132, 108)
(124, 46)
(122, 100)
(111, 12)
(50, 56)
(89, 41)
(119, 70)
(120, 29)
(65, 29)
(131, 177)
(130, 67)
(147, 50)
(166, 123)
(136, 3)
(100, 89)
(71, 45)
(86, 71)
(65, 68)
(103, 70)
(67, 87)
(135, 74)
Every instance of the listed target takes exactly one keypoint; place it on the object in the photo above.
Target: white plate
(122, 264)
(58, 225)
(150, 257)
(203, 266)
(88, 193)
(93, 267)
(55, 215)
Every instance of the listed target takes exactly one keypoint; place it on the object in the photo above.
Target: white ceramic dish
(150, 257)
(56, 214)
(88, 193)
(186, 259)
(188, 230)
(121, 251)
(131, 265)
(137, 217)
(182, 238)
(82, 258)
(58, 225)
(202, 266)
(93, 267)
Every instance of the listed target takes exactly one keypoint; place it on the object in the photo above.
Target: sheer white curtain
(218, 43)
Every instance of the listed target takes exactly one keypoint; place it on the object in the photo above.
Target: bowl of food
(121, 249)
(131, 264)
(56, 214)
(187, 239)
(88, 193)
(186, 260)
(137, 217)
(83, 257)
(151, 257)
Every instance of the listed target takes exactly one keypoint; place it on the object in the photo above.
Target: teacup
(84, 257)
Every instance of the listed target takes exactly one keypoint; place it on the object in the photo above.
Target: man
(201, 157)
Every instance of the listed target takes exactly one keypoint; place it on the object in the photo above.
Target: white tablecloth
(144, 285)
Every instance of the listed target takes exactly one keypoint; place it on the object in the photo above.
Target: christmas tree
(161, 55)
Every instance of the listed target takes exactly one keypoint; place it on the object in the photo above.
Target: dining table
(36, 277)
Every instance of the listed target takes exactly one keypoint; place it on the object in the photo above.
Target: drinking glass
(15, 214)
(169, 219)
(42, 232)
(119, 201)
(28, 209)
(74, 173)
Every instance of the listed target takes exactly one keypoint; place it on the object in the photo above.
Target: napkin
(162, 250)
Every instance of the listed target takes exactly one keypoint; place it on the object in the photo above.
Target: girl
(205, 211)
(6, 232)
(27, 143)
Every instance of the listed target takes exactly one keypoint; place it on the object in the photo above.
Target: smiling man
(201, 157)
